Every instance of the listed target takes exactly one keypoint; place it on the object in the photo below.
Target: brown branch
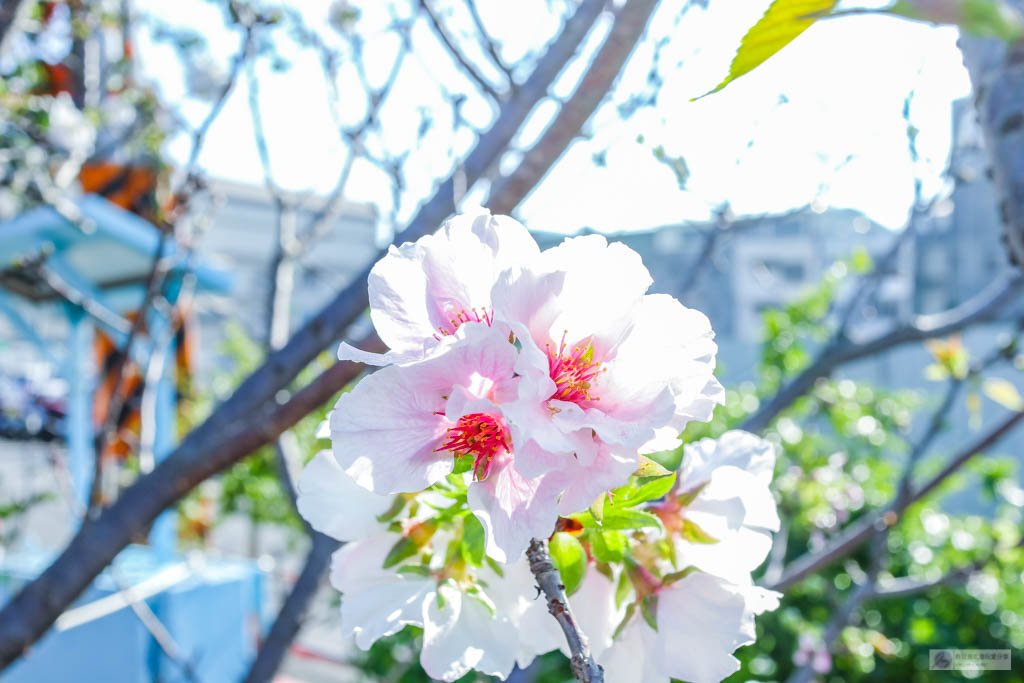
(853, 536)
(983, 308)
(456, 53)
(584, 668)
(250, 418)
(489, 44)
(292, 614)
(629, 25)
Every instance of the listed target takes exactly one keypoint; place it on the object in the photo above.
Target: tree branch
(584, 668)
(250, 418)
(629, 25)
(985, 307)
(489, 44)
(456, 53)
(860, 531)
(289, 619)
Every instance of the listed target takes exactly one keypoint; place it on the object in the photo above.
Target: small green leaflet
(694, 534)
(781, 23)
(629, 519)
(651, 490)
(608, 546)
(415, 569)
(402, 550)
(688, 497)
(649, 610)
(669, 579)
(569, 558)
(392, 512)
(622, 589)
(473, 540)
(649, 468)
(477, 593)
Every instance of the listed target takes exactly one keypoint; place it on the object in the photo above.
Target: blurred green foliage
(841, 448)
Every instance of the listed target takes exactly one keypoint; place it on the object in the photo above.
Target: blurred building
(242, 238)
(768, 261)
(960, 251)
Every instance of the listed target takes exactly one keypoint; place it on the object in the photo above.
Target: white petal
(335, 505)
(609, 469)
(737, 448)
(416, 290)
(669, 347)
(700, 623)
(513, 509)
(376, 602)
(631, 658)
(463, 635)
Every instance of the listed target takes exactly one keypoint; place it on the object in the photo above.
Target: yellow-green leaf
(569, 558)
(649, 468)
(782, 22)
(1004, 393)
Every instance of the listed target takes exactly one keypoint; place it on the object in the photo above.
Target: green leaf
(688, 497)
(1004, 393)
(569, 558)
(608, 546)
(694, 534)
(597, 509)
(463, 463)
(669, 579)
(986, 18)
(667, 550)
(495, 567)
(781, 23)
(478, 594)
(629, 518)
(649, 610)
(630, 611)
(416, 569)
(473, 540)
(649, 468)
(622, 589)
(653, 489)
(403, 550)
(392, 512)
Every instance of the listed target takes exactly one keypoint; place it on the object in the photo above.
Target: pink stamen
(479, 435)
(481, 315)
(573, 372)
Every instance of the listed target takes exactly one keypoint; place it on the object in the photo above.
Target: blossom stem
(584, 668)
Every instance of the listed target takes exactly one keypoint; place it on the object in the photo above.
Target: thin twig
(984, 307)
(857, 533)
(584, 668)
(250, 418)
(453, 49)
(489, 44)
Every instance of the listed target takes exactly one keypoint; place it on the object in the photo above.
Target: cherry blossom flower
(721, 512)
(423, 291)
(401, 429)
(701, 619)
(600, 357)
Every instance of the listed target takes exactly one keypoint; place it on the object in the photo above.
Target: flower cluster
(520, 393)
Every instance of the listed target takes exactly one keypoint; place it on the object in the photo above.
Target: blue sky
(821, 121)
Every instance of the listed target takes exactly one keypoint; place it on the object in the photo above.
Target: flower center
(479, 436)
(573, 372)
(456, 319)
